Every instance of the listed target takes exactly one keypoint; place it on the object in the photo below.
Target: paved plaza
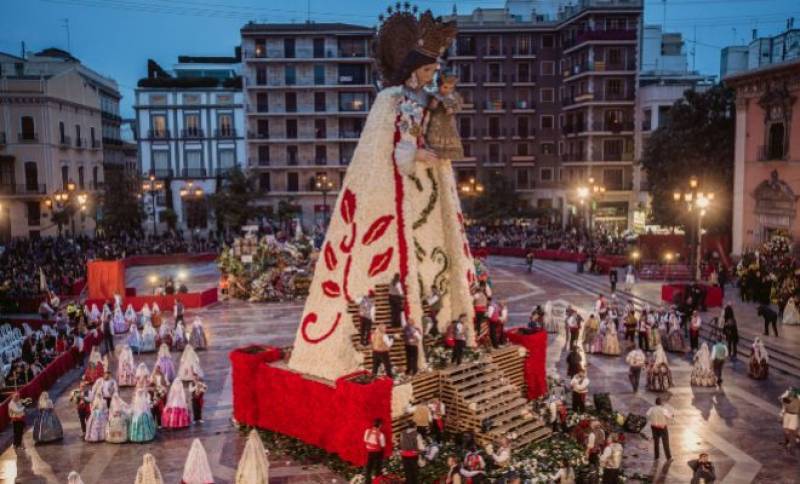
(738, 426)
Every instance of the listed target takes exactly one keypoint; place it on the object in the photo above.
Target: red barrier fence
(669, 293)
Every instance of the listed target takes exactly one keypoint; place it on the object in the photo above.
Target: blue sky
(116, 37)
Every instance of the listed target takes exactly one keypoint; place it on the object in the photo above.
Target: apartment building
(550, 101)
(307, 89)
(761, 51)
(50, 142)
(189, 131)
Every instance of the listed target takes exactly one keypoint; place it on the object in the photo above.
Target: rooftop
(789, 65)
(252, 27)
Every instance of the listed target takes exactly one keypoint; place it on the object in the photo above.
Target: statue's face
(425, 73)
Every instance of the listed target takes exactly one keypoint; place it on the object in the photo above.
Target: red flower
(377, 229)
(348, 206)
(380, 262)
(331, 289)
(311, 318)
(330, 257)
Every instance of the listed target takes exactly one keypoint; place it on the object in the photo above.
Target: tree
(170, 218)
(698, 141)
(498, 201)
(234, 203)
(121, 208)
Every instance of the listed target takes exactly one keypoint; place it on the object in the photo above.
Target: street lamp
(190, 194)
(324, 184)
(472, 187)
(63, 200)
(697, 202)
(152, 187)
(589, 194)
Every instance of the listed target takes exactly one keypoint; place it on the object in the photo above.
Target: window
(95, 181)
(288, 48)
(64, 176)
(225, 124)
(466, 97)
(34, 213)
(465, 72)
(524, 179)
(161, 162)
(647, 117)
(494, 45)
(291, 128)
(78, 140)
(546, 174)
(612, 179)
(352, 47)
(547, 148)
(191, 99)
(495, 73)
(467, 150)
(62, 133)
(320, 129)
(320, 102)
(548, 41)
(292, 181)
(523, 72)
(614, 88)
(261, 76)
(524, 45)
(159, 99)
(664, 116)
(547, 94)
(262, 102)
(158, 122)
(81, 180)
(522, 149)
(319, 48)
(291, 155)
(465, 45)
(31, 176)
(289, 75)
(320, 155)
(352, 74)
(264, 184)
(263, 155)
(494, 153)
(290, 102)
(92, 136)
(494, 126)
(523, 127)
(465, 127)
(523, 98)
(776, 139)
(262, 129)
(261, 48)
(612, 149)
(191, 124)
(352, 101)
(193, 160)
(27, 129)
(319, 74)
(613, 57)
(547, 121)
(227, 159)
(548, 68)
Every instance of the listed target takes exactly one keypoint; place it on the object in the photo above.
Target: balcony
(524, 105)
(192, 133)
(349, 134)
(573, 128)
(605, 35)
(525, 133)
(617, 156)
(80, 143)
(494, 133)
(225, 133)
(771, 153)
(158, 134)
(353, 107)
(193, 173)
(529, 79)
(162, 173)
(258, 161)
(257, 135)
(524, 51)
(573, 157)
(65, 142)
(494, 106)
(352, 53)
(27, 137)
(11, 189)
(498, 79)
(493, 52)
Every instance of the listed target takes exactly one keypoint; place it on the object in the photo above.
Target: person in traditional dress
(106, 314)
(630, 278)
(134, 340)
(94, 367)
(189, 365)
(176, 413)
(596, 345)
(131, 318)
(197, 470)
(47, 426)
(149, 335)
(148, 472)
(651, 325)
(94, 315)
(791, 315)
(142, 376)
(674, 340)
(142, 427)
(165, 334)
(74, 478)
(164, 363)
(549, 322)
(119, 417)
(179, 341)
(659, 376)
(702, 372)
(759, 361)
(611, 344)
(98, 420)
(253, 466)
(156, 317)
(590, 330)
(118, 322)
(790, 415)
(197, 391)
(146, 314)
(198, 337)
(126, 367)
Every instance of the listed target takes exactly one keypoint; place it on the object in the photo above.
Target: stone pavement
(738, 426)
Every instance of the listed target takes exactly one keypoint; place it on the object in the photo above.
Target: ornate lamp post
(67, 200)
(697, 202)
(471, 188)
(152, 187)
(587, 196)
(191, 194)
(324, 185)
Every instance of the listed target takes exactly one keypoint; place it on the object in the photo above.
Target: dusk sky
(116, 37)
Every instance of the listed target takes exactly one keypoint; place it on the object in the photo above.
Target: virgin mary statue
(397, 212)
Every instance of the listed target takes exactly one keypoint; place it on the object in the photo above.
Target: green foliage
(498, 201)
(121, 208)
(234, 202)
(698, 141)
(169, 217)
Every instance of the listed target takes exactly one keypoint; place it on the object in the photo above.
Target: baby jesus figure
(442, 136)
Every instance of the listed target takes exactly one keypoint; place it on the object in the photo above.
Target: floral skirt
(120, 326)
(659, 378)
(175, 417)
(703, 377)
(167, 367)
(96, 427)
(597, 344)
(117, 431)
(198, 339)
(611, 345)
(676, 343)
(758, 370)
(142, 428)
(148, 345)
(126, 377)
(47, 427)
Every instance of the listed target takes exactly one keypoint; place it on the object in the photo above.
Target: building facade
(308, 89)
(767, 149)
(761, 51)
(550, 102)
(189, 132)
(50, 142)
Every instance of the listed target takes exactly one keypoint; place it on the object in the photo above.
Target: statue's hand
(426, 156)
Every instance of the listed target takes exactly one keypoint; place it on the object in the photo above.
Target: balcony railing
(519, 51)
(617, 156)
(520, 104)
(258, 161)
(95, 143)
(193, 172)
(613, 126)
(80, 143)
(225, 133)
(65, 141)
(257, 135)
(777, 153)
(26, 137)
(573, 157)
(494, 105)
(573, 128)
(347, 133)
(192, 133)
(158, 134)
(162, 173)
(590, 35)
(529, 78)
(24, 189)
(522, 133)
(494, 133)
(353, 107)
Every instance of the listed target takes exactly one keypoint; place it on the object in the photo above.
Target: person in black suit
(770, 317)
(612, 278)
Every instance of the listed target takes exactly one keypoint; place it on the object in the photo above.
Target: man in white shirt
(580, 388)
(366, 313)
(375, 442)
(611, 460)
(573, 326)
(635, 361)
(659, 417)
(108, 387)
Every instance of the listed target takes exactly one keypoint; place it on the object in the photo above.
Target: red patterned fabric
(535, 361)
(331, 417)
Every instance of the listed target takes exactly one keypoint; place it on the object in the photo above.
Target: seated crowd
(539, 236)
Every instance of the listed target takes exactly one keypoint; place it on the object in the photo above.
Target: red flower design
(331, 289)
(347, 278)
(380, 262)
(377, 229)
(348, 206)
(346, 245)
(330, 257)
(311, 318)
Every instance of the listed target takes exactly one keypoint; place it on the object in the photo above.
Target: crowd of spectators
(63, 260)
(538, 236)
